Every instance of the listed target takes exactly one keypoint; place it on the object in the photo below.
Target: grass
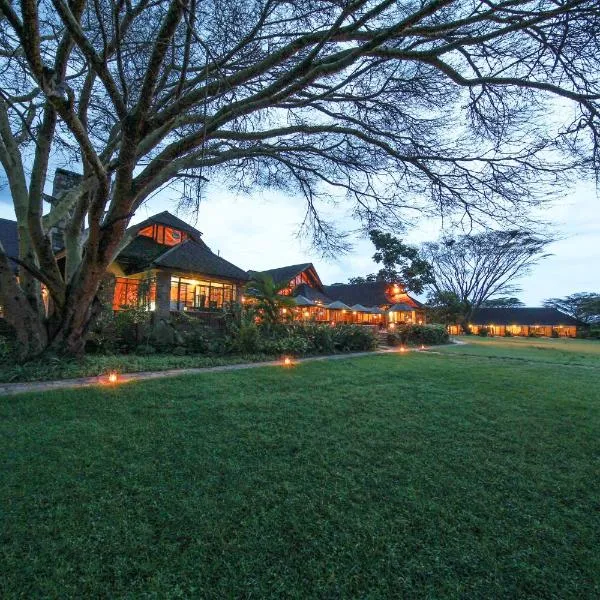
(93, 365)
(563, 351)
(414, 475)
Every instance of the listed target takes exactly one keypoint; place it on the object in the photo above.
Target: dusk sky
(258, 231)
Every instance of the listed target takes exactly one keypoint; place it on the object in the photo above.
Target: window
(164, 235)
(139, 293)
(191, 294)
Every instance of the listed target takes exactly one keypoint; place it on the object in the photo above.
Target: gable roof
(287, 273)
(170, 220)
(311, 293)
(9, 236)
(197, 258)
(521, 316)
(192, 255)
(369, 293)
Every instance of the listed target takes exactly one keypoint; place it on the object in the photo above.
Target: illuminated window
(191, 294)
(164, 235)
(130, 293)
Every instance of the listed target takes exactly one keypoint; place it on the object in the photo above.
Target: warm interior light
(283, 311)
(392, 325)
(113, 377)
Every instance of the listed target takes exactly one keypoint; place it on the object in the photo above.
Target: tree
(267, 296)
(424, 107)
(504, 302)
(400, 263)
(446, 307)
(584, 306)
(474, 268)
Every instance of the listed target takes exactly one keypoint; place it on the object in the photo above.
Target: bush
(413, 335)
(179, 351)
(6, 350)
(131, 327)
(507, 333)
(145, 349)
(354, 338)
(554, 333)
(245, 338)
(483, 332)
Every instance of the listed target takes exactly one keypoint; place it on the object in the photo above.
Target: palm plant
(267, 296)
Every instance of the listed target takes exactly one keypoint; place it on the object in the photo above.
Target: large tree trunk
(82, 305)
(26, 320)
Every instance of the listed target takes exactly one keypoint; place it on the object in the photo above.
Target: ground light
(287, 362)
(113, 377)
(402, 349)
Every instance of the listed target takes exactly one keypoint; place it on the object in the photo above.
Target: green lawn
(93, 365)
(405, 475)
(563, 351)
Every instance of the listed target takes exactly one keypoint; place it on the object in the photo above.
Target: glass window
(131, 293)
(164, 235)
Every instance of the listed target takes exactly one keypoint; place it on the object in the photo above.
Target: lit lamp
(283, 311)
(113, 377)
(287, 362)
(402, 349)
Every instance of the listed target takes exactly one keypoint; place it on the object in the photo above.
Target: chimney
(63, 182)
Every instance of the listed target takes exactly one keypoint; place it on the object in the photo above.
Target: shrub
(483, 332)
(132, 327)
(554, 333)
(6, 350)
(246, 338)
(145, 349)
(431, 335)
(507, 333)
(354, 338)
(179, 351)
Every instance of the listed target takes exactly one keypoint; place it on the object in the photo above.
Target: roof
(369, 293)
(284, 274)
(360, 308)
(302, 301)
(337, 305)
(401, 307)
(9, 237)
(521, 316)
(196, 257)
(140, 254)
(166, 218)
(311, 293)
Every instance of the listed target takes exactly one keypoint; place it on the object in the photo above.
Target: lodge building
(167, 268)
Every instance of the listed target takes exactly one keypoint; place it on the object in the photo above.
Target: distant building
(521, 322)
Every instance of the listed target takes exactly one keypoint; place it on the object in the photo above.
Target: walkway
(9, 389)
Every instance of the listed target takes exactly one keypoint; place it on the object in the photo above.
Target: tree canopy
(400, 263)
(472, 269)
(584, 306)
(503, 302)
(406, 108)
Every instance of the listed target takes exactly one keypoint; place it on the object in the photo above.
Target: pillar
(163, 295)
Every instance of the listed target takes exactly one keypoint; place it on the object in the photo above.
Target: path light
(402, 349)
(287, 362)
(113, 377)
(422, 346)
